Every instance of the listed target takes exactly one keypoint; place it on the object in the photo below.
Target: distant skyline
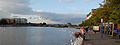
(65, 6)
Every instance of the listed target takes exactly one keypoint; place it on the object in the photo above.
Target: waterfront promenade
(95, 39)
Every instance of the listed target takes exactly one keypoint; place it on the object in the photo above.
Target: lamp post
(102, 29)
(113, 29)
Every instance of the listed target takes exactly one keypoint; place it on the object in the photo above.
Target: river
(36, 35)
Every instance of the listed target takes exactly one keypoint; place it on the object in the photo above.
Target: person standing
(83, 31)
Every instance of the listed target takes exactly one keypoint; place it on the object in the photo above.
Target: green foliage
(110, 12)
(44, 23)
(3, 21)
(115, 17)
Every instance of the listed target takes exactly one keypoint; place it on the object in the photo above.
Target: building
(20, 20)
(15, 20)
(7, 19)
(90, 14)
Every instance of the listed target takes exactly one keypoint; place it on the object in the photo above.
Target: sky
(49, 11)
(65, 6)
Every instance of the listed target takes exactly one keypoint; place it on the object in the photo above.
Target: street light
(102, 29)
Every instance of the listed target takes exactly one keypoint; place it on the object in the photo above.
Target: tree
(115, 6)
(109, 11)
(69, 24)
(115, 17)
(44, 23)
(3, 21)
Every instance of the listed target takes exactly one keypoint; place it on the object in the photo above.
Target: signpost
(95, 28)
(102, 29)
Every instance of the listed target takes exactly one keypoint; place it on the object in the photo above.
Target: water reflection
(35, 35)
(12, 36)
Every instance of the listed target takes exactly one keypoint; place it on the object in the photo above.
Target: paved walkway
(95, 39)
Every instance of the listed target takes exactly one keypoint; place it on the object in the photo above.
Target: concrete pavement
(95, 39)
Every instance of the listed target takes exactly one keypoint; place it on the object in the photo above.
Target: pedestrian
(86, 28)
(83, 31)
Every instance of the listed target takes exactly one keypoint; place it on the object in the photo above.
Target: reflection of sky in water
(35, 35)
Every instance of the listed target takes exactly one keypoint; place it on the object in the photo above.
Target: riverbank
(95, 39)
(40, 25)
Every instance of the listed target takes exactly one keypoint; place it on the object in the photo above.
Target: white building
(20, 20)
(90, 14)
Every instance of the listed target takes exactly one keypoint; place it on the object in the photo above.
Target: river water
(35, 35)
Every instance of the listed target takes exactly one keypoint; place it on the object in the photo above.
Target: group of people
(109, 29)
(81, 33)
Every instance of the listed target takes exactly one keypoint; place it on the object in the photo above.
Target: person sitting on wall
(77, 34)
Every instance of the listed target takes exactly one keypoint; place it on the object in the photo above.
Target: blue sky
(65, 6)
(63, 11)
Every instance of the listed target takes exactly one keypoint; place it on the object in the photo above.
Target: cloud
(21, 7)
(60, 1)
(97, 1)
(69, 0)
(15, 7)
(35, 19)
(87, 0)
(39, 10)
(4, 14)
(61, 17)
(65, 1)
(48, 21)
(40, 19)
